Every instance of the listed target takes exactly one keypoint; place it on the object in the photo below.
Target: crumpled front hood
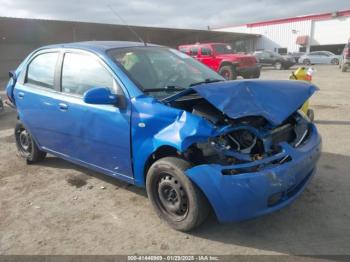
(275, 100)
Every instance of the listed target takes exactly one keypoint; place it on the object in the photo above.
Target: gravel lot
(58, 208)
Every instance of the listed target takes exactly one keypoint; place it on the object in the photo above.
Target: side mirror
(100, 96)
(12, 75)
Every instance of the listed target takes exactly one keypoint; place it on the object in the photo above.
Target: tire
(306, 62)
(257, 74)
(343, 67)
(228, 72)
(335, 61)
(278, 65)
(26, 146)
(252, 76)
(173, 196)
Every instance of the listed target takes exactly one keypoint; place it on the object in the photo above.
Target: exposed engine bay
(244, 139)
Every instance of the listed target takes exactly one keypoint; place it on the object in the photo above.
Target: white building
(327, 31)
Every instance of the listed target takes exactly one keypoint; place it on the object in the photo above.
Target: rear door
(36, 94)
(315, 57)
(97, 135)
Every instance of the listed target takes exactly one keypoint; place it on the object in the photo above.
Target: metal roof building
(18, 37)
(326, 31)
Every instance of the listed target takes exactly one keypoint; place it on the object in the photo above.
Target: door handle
(20, 95)
(63, 106)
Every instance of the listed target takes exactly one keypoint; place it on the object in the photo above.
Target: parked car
(345, 58)
(319, 57)
(269, 58)
(157, 118)
(221, 58)
(296, 55)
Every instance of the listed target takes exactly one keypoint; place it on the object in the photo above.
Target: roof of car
(98, 45)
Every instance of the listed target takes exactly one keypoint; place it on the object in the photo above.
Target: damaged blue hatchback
(156, 118)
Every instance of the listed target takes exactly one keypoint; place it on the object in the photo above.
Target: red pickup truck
(221, 58)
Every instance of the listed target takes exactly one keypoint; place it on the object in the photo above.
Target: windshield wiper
(169, 88)
(206, 81)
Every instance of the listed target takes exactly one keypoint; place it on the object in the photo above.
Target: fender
(154, 125)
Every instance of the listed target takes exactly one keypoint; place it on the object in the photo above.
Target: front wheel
(174, 197)
(228, 72)
(26, 146)
(335, 61)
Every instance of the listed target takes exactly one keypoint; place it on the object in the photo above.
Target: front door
(96, 135)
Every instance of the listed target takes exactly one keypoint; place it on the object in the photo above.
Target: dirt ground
(59, 208)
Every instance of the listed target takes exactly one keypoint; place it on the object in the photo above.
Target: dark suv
(269, 58)
(345, 58)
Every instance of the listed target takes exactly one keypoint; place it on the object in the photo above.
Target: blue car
(155, 117)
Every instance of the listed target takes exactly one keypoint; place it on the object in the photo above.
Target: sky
(198, 14)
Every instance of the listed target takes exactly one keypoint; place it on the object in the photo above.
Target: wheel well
(165, 151)
(161, 152)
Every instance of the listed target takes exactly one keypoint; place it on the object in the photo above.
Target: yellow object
(129, 60)
(302, 74)
(299, 74)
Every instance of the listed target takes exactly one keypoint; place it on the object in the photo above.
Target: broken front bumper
(250, 194)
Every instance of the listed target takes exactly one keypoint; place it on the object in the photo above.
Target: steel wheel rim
(24, 141)
(171, 197)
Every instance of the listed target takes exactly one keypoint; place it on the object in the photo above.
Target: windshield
(161, 71)
(223, 49)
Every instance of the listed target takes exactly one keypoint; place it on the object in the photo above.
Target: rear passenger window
(82, 72)
(41, 70)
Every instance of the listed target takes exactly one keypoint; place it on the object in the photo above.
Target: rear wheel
(257, 74)
(278, 65)
(228, 72)
(306, 62)
(174, 197)
(26, 146)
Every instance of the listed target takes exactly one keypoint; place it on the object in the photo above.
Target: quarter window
(41, 70)
(82, 72)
